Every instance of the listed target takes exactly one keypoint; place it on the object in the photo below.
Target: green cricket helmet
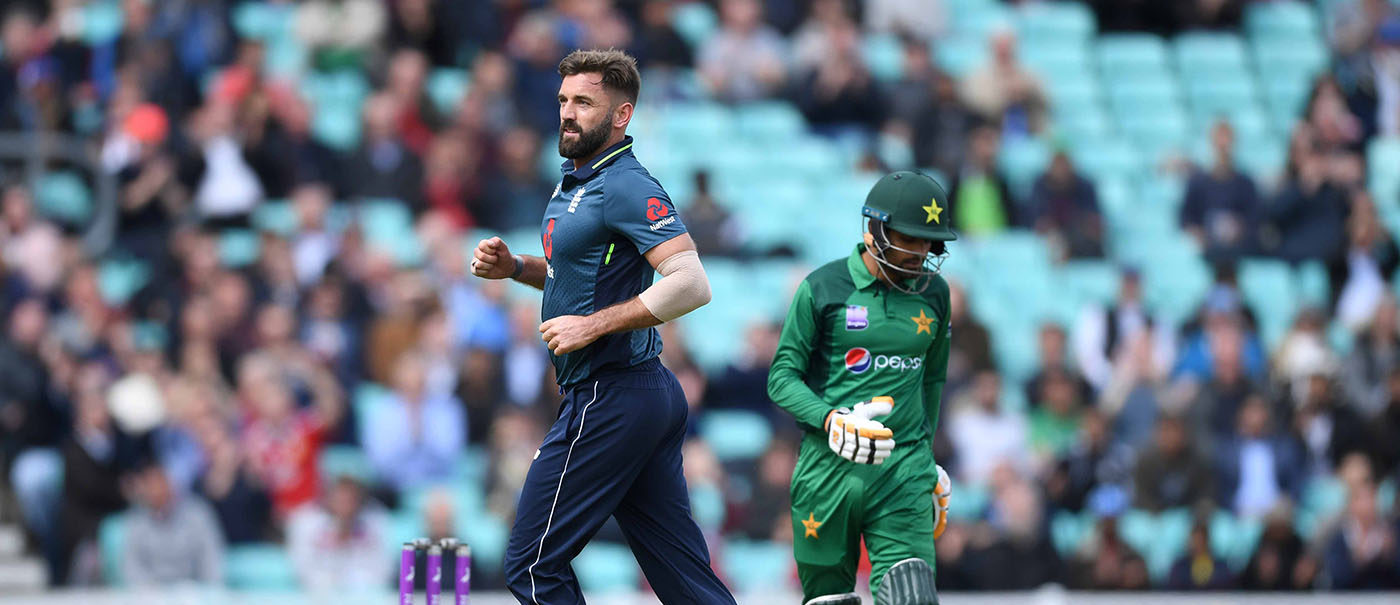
(915, 205)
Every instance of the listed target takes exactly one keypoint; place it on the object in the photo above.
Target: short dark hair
(619, 70)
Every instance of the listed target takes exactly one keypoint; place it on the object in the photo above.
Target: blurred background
(242, 348)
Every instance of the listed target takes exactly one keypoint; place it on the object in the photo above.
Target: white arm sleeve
(682, 288)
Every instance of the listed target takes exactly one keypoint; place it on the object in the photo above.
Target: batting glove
(942, 496)
(853, 435)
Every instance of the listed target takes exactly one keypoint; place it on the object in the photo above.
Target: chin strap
(933, 262)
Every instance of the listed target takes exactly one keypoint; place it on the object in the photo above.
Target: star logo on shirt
(810, 526)
(933, 211)
(924, 322)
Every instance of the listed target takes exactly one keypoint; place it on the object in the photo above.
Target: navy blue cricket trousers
(615, 450)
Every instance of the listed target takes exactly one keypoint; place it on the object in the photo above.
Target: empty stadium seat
(695, 21)
(1202, 54)
(239, 248)
(1130, 53)
(735, 434)
(119, 279)
(961, 53)
(751, 566)
(766, 121)
(64, 196)
(111, 544)
(883, 56)
(446, 87)
(1285, 18)
(344, 461)
(1056, 21)
(260, 567)
(605, 567)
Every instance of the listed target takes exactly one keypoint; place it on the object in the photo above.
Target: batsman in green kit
(861, 365)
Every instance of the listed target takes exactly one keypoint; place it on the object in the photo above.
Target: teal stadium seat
(735, 434)
(1286, 97)
(344, 461)
(961, 53)
(1073, 91)
(102, 22)
(1069, 532)
(1202, 54)
(259, 567)
(1234, 538)
(1123, 54)
(981, 19)
(446, 87)
(1287, 57)
(276, 217)
(1267, 286)
(1068, 21)
(1210, 96)
(752, 566)
(695, 21)
(607, 568)
(336, 99)
(1314, 287)
(1022, 161)
(1108, 158)
(1075, 122)
(1051, 59)
(1285, 18)
(1383, 168)
(64, 196)
(1092, 281)
(883, 56)
(764, 121)
(119, 279)
(111, 544)
(239, 248)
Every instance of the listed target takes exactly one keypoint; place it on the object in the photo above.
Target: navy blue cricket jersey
(601, 220)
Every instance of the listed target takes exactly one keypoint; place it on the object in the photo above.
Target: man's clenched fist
(493, 260)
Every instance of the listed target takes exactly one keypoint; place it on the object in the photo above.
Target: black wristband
(519, 266)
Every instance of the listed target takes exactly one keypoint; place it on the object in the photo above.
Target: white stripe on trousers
(550, 520)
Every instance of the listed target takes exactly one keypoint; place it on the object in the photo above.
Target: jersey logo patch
(857, 318)
(656, 210)
(923, 323)
(810, 525)
(858, 360)
(578, 197)
(548, 240)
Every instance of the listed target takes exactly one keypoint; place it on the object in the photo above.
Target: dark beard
(589, 142)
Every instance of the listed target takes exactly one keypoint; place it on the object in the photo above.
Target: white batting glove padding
(853, 435)
(942, 497)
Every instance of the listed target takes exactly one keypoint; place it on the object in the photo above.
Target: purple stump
(433, 580)
(463, 576)
(406, 565)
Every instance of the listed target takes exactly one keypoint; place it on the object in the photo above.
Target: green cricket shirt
(850, 337)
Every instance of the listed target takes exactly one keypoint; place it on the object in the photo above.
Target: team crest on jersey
(858, 360)
(578, 197)
(857, 318)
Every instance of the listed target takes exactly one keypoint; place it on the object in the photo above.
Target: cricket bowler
(861, 365)
(615, 449)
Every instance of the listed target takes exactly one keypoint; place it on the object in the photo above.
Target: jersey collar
(859, 274)
(585, 172)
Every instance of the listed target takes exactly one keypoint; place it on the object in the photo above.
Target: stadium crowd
(205, 401)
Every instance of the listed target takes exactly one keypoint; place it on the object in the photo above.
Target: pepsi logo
(858, 360)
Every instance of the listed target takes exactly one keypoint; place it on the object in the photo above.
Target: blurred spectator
(1223, 332)
(406, 77)
(1064, 208)
(970, 349)
(282, 149)
(1132, 394)
(1374, 354)
(515, 435)
(283, 442)
(1309, 214)
(1092, 462)
(29, 245)
(941, 125)
(339, 32)
(1218, 400)
(1053, 357)
(29, 415)
(397, 324)
(229, 483)
(1371, 257)
(170, 539)
(516, 194)
(445, 31)
(1171, 474)
(980, 202)
(743, 383)
(384, 166)
(338, 545)
(1055, 421)
(1278, 561)
(315, 243)
(704, 479)
(1102, 335)
(452, 181)
(711, 225)
(227, 188)
(535, 49)
(1335, 130)
(1199, 568)
(1221, 204)
(328, 334)
(837, 93)
(1257, 467)
(1004, 92)
(526, 361)
(1021, 557)
(658, 45)
(827, 22)
(984, 435)
(745, 60)
(768, 509)
(1361, 553)
(1329, 429)
(1303, 349)
(414, 436)
(1388, 423)
(95, 456)
(1108, 563)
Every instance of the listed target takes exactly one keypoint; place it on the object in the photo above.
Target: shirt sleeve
(636, 207)
(936, 368)
(786, 384)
